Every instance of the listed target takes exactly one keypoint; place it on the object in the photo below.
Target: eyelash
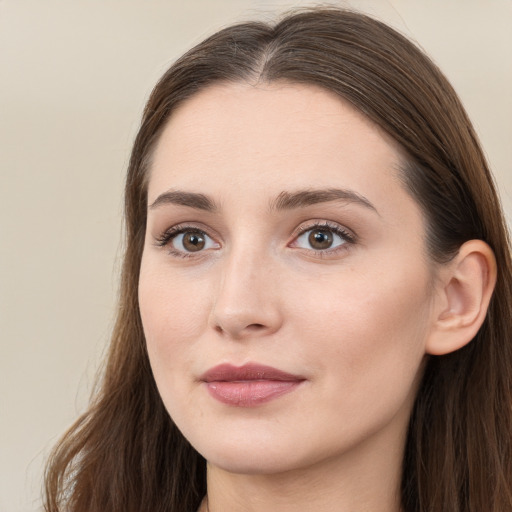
(349, 238)
(170, 234)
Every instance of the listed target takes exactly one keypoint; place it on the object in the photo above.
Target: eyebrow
(190, 199)
(284, 201)
(302, 198)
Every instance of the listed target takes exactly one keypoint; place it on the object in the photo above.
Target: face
(285, 291)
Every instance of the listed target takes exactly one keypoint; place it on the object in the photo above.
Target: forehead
(279, 136)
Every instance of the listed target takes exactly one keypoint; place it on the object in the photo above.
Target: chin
(252, 463)
(250, 454)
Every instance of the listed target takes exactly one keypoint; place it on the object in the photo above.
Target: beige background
(74, 75)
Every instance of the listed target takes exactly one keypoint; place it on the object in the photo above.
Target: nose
(247, 302)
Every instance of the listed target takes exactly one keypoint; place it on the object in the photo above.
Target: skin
(354, 320)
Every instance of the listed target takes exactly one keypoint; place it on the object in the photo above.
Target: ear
(462, 298)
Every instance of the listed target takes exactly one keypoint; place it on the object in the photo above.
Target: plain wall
(74, 75)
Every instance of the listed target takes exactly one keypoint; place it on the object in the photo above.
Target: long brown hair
(125, 453)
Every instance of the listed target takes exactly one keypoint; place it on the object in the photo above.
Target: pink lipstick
(248, 385)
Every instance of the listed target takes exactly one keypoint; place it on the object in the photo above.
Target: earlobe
(461, 303)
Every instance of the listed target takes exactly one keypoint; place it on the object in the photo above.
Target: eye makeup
(319, 238)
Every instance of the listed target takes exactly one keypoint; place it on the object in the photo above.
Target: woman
(315, 304)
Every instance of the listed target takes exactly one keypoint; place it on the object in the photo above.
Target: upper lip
(250, 371)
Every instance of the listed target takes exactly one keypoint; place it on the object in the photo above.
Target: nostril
(249, 328)
(255, 327)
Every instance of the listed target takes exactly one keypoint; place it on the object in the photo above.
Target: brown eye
(193, 241)
(320, 239)
(188, 241)
(323, 238)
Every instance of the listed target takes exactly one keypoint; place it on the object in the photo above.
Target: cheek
(174, 314)
(367, 332)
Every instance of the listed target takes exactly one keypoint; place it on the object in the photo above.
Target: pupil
(193, 242)
(320, 239)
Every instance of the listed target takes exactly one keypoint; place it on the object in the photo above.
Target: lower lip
(251, 392)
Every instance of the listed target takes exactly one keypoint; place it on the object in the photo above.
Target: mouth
(249, 385)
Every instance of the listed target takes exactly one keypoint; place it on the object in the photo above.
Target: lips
(249, 385)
